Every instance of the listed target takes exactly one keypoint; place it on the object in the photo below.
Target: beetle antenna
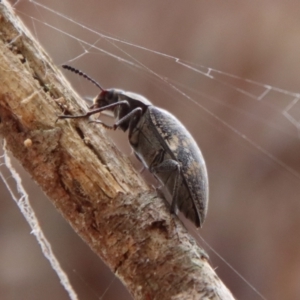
(83, 75)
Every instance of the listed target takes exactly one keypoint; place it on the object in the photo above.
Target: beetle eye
(109, 95)
(100, 101)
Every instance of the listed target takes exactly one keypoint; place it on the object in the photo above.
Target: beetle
(161, 143)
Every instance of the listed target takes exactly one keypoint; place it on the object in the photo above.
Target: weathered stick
(90, 182)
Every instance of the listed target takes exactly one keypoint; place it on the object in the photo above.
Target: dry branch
(90, 182)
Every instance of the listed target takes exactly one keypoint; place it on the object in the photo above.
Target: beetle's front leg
(94, 111)
(136, 112)
(170, 165)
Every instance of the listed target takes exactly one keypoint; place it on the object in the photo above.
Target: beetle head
(106, 97)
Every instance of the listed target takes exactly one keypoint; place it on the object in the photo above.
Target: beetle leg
(170, 165)
(136, 112)
(103, 124)
(141, 171)
(94, 111)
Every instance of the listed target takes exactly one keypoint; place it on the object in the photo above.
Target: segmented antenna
(83, 75)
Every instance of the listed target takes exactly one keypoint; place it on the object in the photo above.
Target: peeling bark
(90, 182)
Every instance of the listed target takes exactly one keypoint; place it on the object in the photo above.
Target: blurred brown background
(251, 148)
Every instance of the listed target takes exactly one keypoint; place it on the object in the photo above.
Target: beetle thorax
(128, 103)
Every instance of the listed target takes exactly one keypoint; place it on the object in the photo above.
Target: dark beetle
(162, 144)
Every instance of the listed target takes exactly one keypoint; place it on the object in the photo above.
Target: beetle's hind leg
(170, 165)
